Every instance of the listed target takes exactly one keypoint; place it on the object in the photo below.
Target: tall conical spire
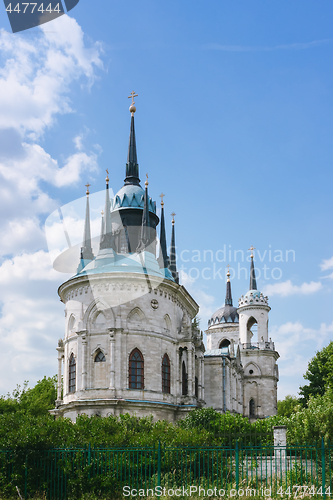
(107, 238)
(86, 249)
(253, 281)
(102, 228)
(228, 296)
(163, 259)
(132, 167)
(173, 265)
(86, 253)
(145, 226)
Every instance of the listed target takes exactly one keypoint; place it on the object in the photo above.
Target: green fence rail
(68, 473)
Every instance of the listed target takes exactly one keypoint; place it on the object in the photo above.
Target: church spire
(163, 256)
(86, 254)
(106, 238)
(102, 227)
(228, 296)
(132, 167)
(86, 249)
(253, 281)
(145, 226)
(173, 265)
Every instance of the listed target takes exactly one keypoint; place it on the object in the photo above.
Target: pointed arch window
(184, 380)
(224, 343)
(100, 358)
(72, 374)
(252, 411)
(166, 374)
(136, 370)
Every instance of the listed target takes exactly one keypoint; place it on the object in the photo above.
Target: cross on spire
(162, 196)
(107, 175)
(88, 186)
(252, 248)
(173, 218)
(146, 183)
(133, 94)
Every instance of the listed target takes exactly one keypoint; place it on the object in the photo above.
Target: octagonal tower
(129, 343)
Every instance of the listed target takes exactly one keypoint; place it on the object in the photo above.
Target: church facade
(131, 341)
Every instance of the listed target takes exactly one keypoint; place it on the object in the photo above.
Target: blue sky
(234, 124)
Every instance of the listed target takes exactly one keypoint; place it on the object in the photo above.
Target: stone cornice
(81, 285)
(218, 328)
(253, 305)
(259, 352)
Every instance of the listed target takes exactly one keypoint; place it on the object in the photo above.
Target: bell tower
(258, 352)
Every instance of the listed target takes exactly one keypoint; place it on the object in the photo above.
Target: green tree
(288, 406)
(41, 398)
(34, 401)
(319, 374)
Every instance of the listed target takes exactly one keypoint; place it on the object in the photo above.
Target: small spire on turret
(145, 226)
(228, 296)
(163, 258)
(86, 253)
(253, 281)
(173, 265)
(107, 237)
(102, 227)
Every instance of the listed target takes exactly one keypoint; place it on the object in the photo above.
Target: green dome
(131, 196)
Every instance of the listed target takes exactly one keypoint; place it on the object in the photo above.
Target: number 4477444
(30, 8)
(299, 491)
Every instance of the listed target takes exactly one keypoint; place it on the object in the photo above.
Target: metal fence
(68, 473)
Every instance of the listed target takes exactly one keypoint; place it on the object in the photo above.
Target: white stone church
(130, 342)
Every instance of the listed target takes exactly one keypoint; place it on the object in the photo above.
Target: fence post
(237, 465)
(323, 479)
(159, 464)
(89, 459)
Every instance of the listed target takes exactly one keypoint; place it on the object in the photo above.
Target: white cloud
(78, 142)
(22, 233)
(77, 163)
(327, 264)
(294, 342)
(286, 288)
(35, 266)
(29, 330)
(35, 78)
